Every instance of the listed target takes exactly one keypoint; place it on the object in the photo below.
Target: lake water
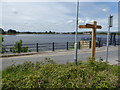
(44, 38)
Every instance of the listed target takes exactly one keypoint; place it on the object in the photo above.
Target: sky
(56, 16)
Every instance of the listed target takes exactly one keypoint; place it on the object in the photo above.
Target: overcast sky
(56, 16)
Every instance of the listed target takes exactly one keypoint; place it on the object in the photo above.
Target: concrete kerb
(87, 50)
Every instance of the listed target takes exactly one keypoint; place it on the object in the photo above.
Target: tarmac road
(63, 56)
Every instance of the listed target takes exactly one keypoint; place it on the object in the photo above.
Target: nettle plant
(18, 48)
(3, 48)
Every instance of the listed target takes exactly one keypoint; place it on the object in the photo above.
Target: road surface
(63, 56)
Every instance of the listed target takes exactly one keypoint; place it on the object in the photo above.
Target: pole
(114, 39)
(19, 48)
(99, 45)
(76, 37)
(37, 47)
(67, 46)
(111, 39)
(79, 45)
(110, 22)
(89, 44)
(53, 49)
(108, 43)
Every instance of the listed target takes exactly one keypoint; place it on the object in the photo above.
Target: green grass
(48, 74)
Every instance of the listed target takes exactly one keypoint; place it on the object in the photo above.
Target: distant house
(87, 33)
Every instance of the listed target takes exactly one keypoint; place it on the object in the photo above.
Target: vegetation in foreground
(48, 74)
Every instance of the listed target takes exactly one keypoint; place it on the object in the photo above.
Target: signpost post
(110, 22)
(94, 26)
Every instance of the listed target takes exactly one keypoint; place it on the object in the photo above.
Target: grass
(48, 74)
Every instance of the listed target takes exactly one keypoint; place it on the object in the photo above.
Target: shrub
(2, 47)
(18, 48)
(48, 74)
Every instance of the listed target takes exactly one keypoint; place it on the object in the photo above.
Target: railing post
(90, 44)
(67, 46)
(99, 44)
(37, 47)
(115, 43)
(79, 45)
(18, 48)
(53, 49)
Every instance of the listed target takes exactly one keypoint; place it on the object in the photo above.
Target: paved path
(63, 56)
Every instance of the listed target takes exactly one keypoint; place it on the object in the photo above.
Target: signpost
(94, 26)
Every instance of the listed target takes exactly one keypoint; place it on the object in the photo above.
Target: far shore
(50, 34)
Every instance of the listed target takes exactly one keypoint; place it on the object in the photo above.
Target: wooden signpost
(94, 26)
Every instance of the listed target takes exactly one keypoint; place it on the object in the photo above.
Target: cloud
(59, 0)
(53, 16)
(104, 10)
(81, 21)
(28, 18)
(14, 11)
(35, 16)
(70, 21)
(85, 20)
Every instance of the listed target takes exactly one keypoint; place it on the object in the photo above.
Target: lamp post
(76, 34)
(110, 24)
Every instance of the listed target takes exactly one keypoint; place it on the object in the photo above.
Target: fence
(44, 46)
(60, 46)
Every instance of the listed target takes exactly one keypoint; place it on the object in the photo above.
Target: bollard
(115, 43)
(37, 47)
(18, 48)
(99, 44)
(67, 47)
(79, 45)
(53, 49)
(90, 44)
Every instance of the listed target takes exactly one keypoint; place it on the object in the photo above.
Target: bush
(18, 48)
(2, 47)
(48, 74)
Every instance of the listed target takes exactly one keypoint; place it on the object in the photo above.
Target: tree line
(11, 32)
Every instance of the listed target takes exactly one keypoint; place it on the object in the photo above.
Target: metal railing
(61, 46)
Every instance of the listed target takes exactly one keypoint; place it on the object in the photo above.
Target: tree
(46, 32)
(50, 32)
(2, 31)
(53, 32)
(10, 31)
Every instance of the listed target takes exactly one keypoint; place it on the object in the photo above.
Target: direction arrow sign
(90, 26)
(83, 26)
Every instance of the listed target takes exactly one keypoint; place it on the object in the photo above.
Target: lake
(44, 38)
